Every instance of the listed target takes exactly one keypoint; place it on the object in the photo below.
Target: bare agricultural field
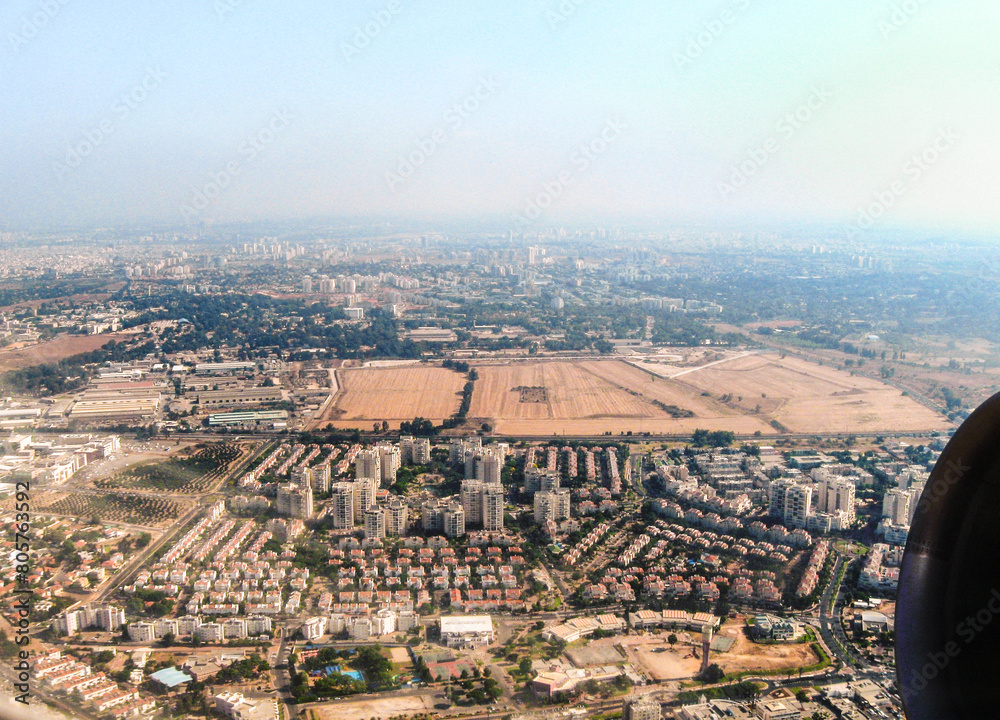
(395, 394)
(53, 350)
(807, 397)
(591, 397)
(745, 393)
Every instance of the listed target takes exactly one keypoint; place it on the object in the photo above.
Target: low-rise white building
(314, 628)
(467, 631)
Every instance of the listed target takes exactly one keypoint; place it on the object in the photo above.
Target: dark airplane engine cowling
(948, 608)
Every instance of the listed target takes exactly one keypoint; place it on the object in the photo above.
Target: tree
(672, 639)
(713, 674)
(492, 688)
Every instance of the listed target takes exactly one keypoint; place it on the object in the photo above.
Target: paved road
(280, 679)
(319, 417)
(833, 634)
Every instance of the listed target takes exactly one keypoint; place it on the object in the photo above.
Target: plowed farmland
(744, 393)
(592, 397)
(808, 397)
(396, 394)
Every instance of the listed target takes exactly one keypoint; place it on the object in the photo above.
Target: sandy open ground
(741, 392)
(808, 397)
(396, 394)
(657, 659)
(377, 707)
(54, 350)
(661, 662)
(748, 655)
(399, 655)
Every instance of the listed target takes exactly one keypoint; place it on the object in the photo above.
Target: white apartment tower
(897, 506)
(421, 451)
(488, 464)
(342, 505)
(798, 505)
(367, 465)
(364, 496)
(414, 451)
(493, 502)
(453, 520)
(319, 478)
(375, 523)
(295, 501)
(395, 518)
(472, 501)
(837, 495)
(552, 505)
(389, 461)
(406, 449)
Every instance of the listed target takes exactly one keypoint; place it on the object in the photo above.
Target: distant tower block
(706, 645)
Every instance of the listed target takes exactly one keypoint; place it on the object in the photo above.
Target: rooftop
(466, 623)
(171, 677)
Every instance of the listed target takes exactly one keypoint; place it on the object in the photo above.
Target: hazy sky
(862, 113)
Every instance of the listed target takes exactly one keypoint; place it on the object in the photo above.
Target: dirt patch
(55, 350)
(748, 655)
(380, 707)
(654, 655)
(399, 655)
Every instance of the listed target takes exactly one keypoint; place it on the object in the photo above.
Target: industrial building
(241, 418)
(224, 368)
(238, 397)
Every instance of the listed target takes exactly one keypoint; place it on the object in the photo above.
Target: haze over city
(518, 360)
(875, 115)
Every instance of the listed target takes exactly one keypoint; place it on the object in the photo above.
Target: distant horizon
(368, 226)
(862, 117)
